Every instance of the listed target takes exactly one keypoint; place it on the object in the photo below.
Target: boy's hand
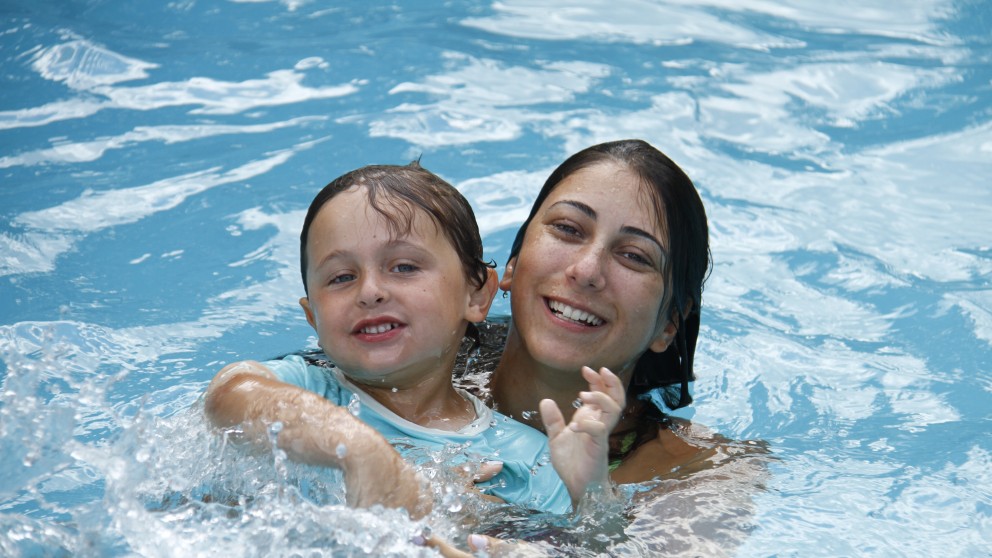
(580, 449)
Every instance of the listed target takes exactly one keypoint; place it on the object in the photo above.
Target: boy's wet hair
(396, 192)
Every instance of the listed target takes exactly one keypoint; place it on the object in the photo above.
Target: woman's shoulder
(680, 448)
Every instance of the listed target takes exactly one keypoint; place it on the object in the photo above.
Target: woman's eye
(565, 229)
(637, 258)
(404, 268)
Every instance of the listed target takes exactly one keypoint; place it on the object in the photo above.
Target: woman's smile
(572, 314)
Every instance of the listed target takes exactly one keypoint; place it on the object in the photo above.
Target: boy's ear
(482, 298)
(507, 279)
(305, 303)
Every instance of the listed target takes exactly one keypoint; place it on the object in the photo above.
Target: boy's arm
(580, 450)
(317, 432)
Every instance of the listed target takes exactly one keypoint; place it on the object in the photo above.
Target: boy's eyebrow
(626, 229)
(329, 257)
(394, 243)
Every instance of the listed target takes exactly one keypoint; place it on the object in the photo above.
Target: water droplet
(355, 405)
(275, 428)
(577, 403)
(394, 390)
(341, 451)
(529, 415)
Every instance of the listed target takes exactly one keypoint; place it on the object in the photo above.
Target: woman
(608, 270)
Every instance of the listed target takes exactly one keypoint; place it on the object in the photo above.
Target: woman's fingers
(477, 543)
(445, 548)
(487, 470)
(554, 421)
(483, 542)
(592, 427)
(614, 387)
(593, 377)
(605, 381)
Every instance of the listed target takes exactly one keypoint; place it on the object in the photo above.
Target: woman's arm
(317, 432)
(670, 455)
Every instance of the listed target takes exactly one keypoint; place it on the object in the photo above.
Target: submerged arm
(317, 432)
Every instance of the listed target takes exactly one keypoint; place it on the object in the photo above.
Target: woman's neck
(520, 383)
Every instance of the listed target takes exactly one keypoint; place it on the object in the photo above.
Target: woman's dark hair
(396, 192)
(683, 221)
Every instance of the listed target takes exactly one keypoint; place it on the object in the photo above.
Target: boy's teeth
(574, 314)
(381, 328)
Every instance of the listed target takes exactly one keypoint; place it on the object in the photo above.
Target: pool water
(156, 161)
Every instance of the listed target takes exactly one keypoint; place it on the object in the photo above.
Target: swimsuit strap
(626, 444)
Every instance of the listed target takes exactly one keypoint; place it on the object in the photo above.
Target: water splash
(355, 405)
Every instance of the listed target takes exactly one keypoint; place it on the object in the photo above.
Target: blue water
(156, 160)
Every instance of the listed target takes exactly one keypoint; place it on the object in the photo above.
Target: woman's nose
(587, 268)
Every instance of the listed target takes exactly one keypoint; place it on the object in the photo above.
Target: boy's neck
(431, 402)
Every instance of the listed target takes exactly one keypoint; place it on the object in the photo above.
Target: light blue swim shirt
(527, 479)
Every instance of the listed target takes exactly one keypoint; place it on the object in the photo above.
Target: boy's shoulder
(309, 370)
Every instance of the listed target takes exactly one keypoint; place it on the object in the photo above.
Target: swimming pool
(157, 161)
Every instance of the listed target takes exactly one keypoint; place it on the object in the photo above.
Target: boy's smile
(377, 330)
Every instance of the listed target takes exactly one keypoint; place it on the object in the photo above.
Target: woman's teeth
(574, 314)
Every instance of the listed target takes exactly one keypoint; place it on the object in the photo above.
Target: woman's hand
(492, 547)
(485, 472)
(580, 449)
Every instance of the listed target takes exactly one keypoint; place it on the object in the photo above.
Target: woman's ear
(507, 279)
(481, 299)
(665, 337)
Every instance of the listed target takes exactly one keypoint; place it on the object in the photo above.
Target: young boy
(391, 259)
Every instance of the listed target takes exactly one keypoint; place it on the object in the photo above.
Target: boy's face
(388, 311)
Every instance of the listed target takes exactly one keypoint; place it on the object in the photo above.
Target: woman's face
(588, 282)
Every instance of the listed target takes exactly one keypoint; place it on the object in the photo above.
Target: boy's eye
(342, 278)
(404, 268)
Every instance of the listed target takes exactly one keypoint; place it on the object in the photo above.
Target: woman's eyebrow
(624, 230)
(580, 206)
(643, 234)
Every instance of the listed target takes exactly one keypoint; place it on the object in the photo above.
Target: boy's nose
(371, 292)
